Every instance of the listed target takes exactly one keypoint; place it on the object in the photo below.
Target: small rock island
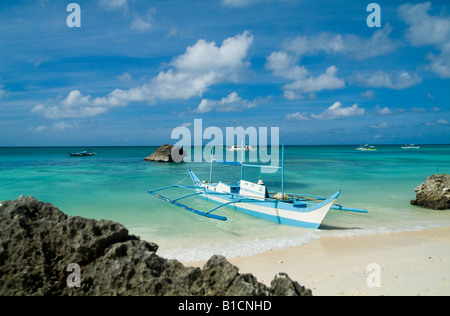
(167, 153)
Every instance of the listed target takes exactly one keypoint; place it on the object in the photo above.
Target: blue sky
(136, 69)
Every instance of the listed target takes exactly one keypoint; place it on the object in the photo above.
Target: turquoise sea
(111, 185)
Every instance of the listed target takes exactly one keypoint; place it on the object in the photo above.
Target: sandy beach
(406, 263)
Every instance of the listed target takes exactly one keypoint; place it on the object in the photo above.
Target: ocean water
(112, 186)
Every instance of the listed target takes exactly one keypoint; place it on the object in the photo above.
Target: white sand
(410, 263)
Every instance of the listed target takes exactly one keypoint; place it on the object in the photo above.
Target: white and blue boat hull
(278, 211)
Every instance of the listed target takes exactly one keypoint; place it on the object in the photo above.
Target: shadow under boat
(332, 227)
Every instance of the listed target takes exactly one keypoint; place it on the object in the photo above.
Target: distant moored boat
(82, 154)
(412, 146)
(239, 148)
(366, 147)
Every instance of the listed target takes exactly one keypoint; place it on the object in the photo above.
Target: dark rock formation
(38, 243)
(167, 153)
(434, 193)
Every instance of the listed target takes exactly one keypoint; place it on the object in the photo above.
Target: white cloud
(395, 80)
(2, 91)
(298, 116)
(378, 45)
(325, 81)
(382, 111)
(423, 28)
(141, 25)
(125, 77)
(113, 4)
(239, 3)
(74, 105)
(206, 57)
(440, 64)
(61, 126)
(284, 65)
(380, 126)
(348, 44)
(244, 3)
(232, 103)
(38, 129)
(418, 110)
(337, 111)
(441, 122)
(370, 94)
(202, 65)
(312, 45)
(429, 30)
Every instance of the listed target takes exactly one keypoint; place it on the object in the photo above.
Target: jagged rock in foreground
(38, 242)
(167, 153)
(434, 193)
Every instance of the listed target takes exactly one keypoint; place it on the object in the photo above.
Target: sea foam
(258, 246)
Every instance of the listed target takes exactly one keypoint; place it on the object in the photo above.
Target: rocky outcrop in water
(434, 193)
(38, 243)
(167, 153)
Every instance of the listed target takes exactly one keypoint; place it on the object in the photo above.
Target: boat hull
(276, 211)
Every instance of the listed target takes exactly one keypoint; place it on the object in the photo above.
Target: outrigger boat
(302, 210)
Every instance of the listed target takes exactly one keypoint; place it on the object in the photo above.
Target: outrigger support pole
(212, 160)
(282, 171)
(242, 156)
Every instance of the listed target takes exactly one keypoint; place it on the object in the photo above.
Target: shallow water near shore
(111, 185)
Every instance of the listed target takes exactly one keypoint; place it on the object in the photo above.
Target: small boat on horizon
(82, 154)
(366, 147)
(239, 148)
(411, 146)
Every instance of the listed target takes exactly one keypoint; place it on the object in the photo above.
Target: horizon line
(286, 145)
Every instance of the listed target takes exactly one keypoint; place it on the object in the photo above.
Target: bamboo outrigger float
(302, 210)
